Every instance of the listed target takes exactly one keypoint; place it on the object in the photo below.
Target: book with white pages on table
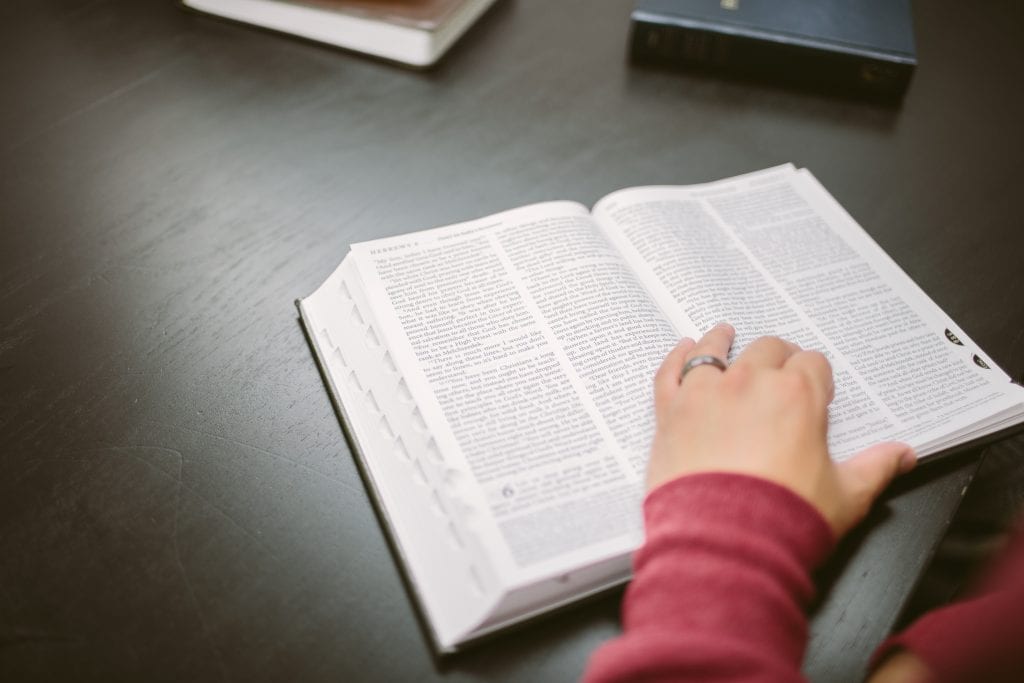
(414, 32)
(494, 376)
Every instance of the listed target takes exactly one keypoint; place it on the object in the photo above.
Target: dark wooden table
(176, 498)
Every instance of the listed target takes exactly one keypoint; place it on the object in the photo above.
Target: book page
(774, 254)
(529, 346)
(394, 451)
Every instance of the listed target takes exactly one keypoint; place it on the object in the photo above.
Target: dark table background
(177, 501)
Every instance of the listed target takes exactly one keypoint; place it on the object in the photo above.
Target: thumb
(863, 477)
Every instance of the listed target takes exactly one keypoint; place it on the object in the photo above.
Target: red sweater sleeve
(720, 585)
(979, 639)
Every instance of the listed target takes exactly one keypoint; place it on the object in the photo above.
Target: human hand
(765, 416)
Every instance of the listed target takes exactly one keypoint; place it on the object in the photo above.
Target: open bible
(494, 377)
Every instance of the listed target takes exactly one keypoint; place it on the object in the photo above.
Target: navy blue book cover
(867, 43)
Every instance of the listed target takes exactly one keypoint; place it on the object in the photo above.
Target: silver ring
(697, 361)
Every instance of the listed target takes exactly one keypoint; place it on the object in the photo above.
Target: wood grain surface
(176, 498)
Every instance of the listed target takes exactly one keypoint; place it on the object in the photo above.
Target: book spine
(703, 48)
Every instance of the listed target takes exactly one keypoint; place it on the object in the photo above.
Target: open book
(494, 377)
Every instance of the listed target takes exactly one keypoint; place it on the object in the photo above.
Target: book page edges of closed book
(392, 41)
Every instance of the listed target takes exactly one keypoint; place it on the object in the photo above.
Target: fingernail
(725, 326)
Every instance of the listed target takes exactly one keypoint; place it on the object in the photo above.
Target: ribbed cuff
(718, 501)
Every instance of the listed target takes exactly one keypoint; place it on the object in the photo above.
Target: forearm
(720, 585)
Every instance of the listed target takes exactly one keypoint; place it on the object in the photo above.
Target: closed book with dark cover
(859, 46)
